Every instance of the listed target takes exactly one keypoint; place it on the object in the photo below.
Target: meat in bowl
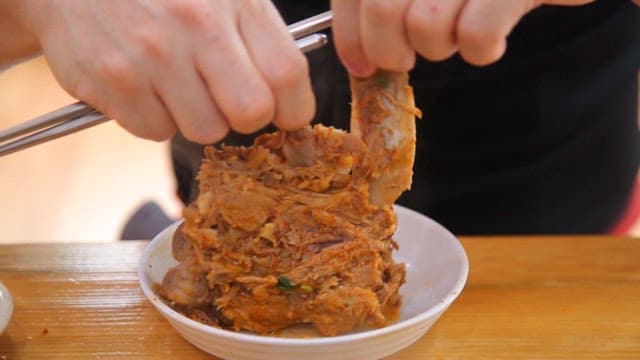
(297, 229)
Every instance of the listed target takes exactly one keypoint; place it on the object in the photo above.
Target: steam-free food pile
(297, 229)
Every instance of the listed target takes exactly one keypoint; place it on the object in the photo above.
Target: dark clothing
(543, 141)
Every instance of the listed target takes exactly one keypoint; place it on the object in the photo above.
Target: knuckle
(188, 12)
(159, 128)
(475, 36)
(381, 9)
(421, 25)
(252, 116)
(480, 45)
(432, 46)
(287, 72)
(118, 72)
(151, 44)
(430, 38)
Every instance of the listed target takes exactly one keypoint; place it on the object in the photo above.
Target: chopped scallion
(382, 80)
(284, 283)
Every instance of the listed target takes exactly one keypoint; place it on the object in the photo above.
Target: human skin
(196, 65)
(372, 34)
(205, 66)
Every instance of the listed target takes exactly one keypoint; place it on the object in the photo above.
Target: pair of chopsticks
(78, 116)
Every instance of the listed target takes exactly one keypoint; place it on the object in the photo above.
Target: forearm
(17, 42)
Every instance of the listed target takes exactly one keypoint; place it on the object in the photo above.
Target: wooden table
(527, 297)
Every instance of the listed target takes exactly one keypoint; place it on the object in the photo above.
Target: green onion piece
(284, 283)
(306, 288)
(382, 80)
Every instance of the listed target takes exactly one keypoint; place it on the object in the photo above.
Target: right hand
(196, 65)
(371, 34)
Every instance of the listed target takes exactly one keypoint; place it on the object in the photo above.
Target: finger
(241, 94)
(147, 117)
(165, 58)
(566, 2)
(346, 34)
(186, 96)
(123, 93)
(431, 27)
(281, 63)
(144, 115)
(484, 25)
(112, 84)
(383, 34)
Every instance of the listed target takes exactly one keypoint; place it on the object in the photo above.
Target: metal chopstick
(310, 25)
(63, 128)
(63, 114)
(79, 116)
(311, 42)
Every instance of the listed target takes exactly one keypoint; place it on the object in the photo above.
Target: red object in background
(630, 216)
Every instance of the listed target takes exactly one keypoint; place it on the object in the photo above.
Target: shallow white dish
(437, 269)
(6, 307)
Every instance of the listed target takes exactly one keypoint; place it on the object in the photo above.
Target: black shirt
(543, 141)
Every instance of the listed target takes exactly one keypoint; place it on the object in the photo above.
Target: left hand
(372, 34)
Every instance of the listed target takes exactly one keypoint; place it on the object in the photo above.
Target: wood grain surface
(527, 297)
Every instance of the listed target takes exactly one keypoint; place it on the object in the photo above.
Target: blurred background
(82, 187)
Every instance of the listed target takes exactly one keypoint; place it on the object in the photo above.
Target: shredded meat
(297, 229)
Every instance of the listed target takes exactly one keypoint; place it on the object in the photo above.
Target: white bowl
(437, 269)
(6, 307)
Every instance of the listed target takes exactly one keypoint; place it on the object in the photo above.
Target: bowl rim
(440, 307)
(6, 307)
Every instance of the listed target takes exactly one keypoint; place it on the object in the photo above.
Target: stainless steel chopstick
(79, 116)
(63, 114)
(310, 25)
(63, 128)
(312, 42)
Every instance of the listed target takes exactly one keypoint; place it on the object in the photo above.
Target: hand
(387, 33)
(196, 65)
